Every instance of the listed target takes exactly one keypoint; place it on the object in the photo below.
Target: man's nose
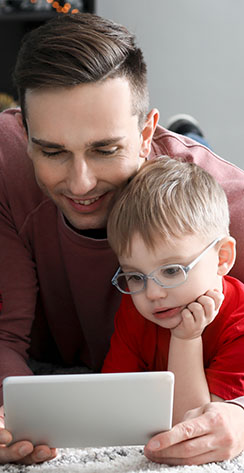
(81, 177)
(154, 291)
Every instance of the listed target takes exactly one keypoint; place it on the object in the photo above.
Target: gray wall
(194, 51)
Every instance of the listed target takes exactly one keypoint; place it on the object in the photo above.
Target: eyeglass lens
(169, 276)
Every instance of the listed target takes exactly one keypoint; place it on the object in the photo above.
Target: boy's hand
(21, 452)
(197, 315)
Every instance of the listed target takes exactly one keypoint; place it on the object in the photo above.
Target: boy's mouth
(165, 313)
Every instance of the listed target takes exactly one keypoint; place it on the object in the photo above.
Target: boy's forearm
(185, 360)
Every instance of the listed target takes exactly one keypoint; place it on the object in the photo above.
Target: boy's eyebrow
(164, 262)
(124, 268)
(46, 144)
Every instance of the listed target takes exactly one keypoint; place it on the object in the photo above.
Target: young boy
(170, 230)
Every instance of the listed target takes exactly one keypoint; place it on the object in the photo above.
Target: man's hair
(80, 48)
(168, 198)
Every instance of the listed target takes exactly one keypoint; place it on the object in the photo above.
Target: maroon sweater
(58, 302)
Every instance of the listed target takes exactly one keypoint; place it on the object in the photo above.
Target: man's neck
(94, 233)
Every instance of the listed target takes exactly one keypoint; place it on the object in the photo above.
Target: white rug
(118, 460)
(110, 459)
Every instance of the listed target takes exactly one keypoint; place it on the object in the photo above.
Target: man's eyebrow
(46, 144)
(93, 144)
(106, 142)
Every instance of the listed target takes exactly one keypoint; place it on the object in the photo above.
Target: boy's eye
(135, 277)
(171, 271)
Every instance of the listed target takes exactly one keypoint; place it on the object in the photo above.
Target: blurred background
(17, 17)
(193, 48)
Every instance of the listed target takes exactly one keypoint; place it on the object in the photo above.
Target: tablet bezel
(88, 410)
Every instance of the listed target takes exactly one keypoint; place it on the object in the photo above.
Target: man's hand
(21, 452)
(211, 433)
(198, 314)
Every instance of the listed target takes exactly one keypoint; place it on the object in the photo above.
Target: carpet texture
(110, 459)
(118, 460)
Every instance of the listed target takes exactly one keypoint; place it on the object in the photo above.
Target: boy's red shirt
(140, 345)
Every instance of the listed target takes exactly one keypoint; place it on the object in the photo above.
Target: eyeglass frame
(145, 277)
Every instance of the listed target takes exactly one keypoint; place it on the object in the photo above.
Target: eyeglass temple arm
(113, 280)
(191, 265)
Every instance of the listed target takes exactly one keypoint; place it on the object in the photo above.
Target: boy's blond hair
(168, 198)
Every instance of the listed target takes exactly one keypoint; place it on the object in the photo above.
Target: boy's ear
(227, 255)
(148, 131)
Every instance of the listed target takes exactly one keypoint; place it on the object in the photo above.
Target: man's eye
(51, 154)
(107, 152)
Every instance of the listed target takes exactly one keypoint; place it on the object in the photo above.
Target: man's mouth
(87, 205)
(164, 313)
(86, 202)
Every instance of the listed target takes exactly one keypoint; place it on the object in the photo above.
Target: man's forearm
(11, 364)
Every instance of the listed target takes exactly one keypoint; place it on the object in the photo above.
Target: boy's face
(84, 143)
(163, 306)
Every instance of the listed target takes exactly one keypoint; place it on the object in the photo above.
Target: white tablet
(88, 410)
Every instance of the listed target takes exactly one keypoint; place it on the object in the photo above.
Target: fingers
(192, 315)
(193, 321)
(40, 454)
(186, 443)
(193, 413)
(215, 435)
(198, 314)
(201, 459)
(1, 417)
(193, 452)
(178, 434)
(15, 452)
(211, 300)
(23, 452)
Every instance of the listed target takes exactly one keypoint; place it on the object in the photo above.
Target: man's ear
(227, 255)
(148, 131)
(19, 119)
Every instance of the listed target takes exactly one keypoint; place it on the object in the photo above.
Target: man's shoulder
(15, 164)
(227, 174)
(19, 192)
(174, 145)
(10, 126)
(13, 144)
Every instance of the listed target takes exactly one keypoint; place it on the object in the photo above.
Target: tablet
(88, 410)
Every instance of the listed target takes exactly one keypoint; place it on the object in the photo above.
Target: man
(84, 132)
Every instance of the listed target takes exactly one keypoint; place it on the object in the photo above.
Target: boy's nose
(155, 291)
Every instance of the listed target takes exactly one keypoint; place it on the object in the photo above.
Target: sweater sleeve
(18, 288)
(18, 285)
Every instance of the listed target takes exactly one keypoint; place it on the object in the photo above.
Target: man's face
(84, 143)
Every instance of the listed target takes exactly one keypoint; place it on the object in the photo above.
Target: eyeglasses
(168, 276)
